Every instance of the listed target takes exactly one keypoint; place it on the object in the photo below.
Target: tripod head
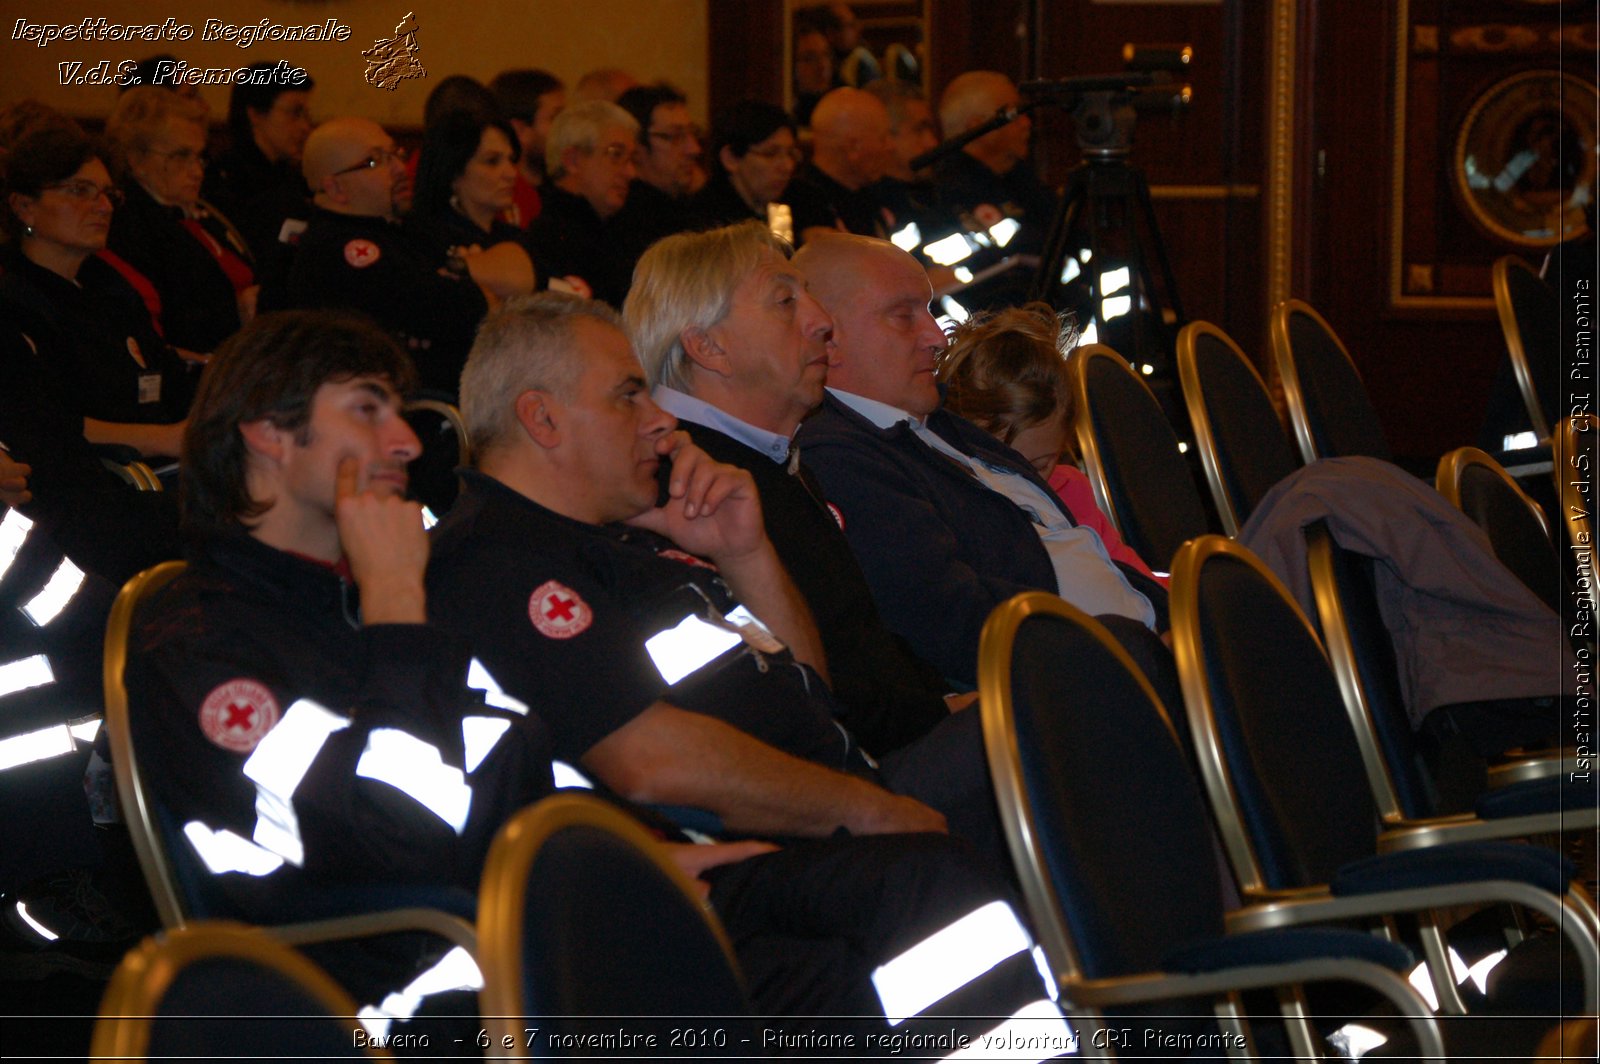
(1105, 107)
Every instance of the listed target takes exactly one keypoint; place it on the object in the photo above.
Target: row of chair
(1112, 837)
(1110, 833)
(1141, 480)
(580, 915)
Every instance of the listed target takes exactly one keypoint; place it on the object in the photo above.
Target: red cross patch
(686, 558)
(361, 253)
(987, 214)
(558, 612)
(236, 714)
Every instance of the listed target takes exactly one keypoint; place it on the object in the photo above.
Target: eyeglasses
(777, 152)
(379, 157)
(673, 136)
(616, 152)
(181, 156)
(87, 191)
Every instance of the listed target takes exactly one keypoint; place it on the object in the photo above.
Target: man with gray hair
(589, 158)
(737, 350)
(611, 574)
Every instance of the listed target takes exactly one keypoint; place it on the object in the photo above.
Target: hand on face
(713, 509)
(384, 541)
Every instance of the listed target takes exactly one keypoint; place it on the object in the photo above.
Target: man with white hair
(736, 349)
(589, 157)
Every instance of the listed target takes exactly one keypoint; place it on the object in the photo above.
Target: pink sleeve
(1074, 490)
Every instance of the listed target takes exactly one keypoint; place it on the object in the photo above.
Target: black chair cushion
(1253, 450)
(204, 1016)
(1154, 495)
(1343, 421)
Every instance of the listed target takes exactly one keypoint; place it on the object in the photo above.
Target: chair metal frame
(1573, 913)
(1289, 373)
(1453, 468)
(131, 1003)
(1522, 369)
(450, 413)
(1194, 399)
(148, 842)
(1463, 827)
(1084, 998)
(136, 474)
(503, 891)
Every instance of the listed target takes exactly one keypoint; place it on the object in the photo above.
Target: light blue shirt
(685, 406)
(1085, 574)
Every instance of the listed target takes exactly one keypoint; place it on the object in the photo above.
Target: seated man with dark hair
(297, 717)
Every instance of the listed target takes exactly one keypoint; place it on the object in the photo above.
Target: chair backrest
(1362, 653)
(1242, 444)
(1517, 528)
(1530, 318)
(1574, 466)
(150, 833)
(1276, 751)
(135, 474)
(216, 990)
(1105, 822)
(444, 449)
(581, 914)
(1131, 455)
(1328, 405)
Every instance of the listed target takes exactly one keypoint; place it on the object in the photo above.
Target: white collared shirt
(1085, 573)
(685, 406)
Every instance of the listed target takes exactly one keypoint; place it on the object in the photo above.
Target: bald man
(851, 151)
(991, 178)
(354, 256)
(946, 521)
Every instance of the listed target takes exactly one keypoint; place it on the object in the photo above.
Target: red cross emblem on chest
(557, 611)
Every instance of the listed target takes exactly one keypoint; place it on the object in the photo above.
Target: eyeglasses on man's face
(673, 136)
(379, 157)
(87, 191)
(614, 152)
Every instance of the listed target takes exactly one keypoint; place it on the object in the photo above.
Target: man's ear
(537, 414)
(264, 440)
(729, 160)
(704, 353)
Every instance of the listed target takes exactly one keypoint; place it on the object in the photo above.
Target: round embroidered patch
(558, 612)
(361, 253)
(987, 214)
(838, 517)
(236, 714)
(686, 558)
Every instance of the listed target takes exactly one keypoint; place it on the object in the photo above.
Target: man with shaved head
(354, 255)
(991, 178)
(850, 131)
(946, 521)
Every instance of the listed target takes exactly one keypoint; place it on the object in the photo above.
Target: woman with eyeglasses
(84, 332)
(465, 182)
(756, 155)
(199, 265)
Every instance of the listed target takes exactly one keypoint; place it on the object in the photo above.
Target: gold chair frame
(1573, 913)
(133, 997)
(1194, 399)
(1085, 999)
(1283, 356)
(1509, 326)
(503, 890)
